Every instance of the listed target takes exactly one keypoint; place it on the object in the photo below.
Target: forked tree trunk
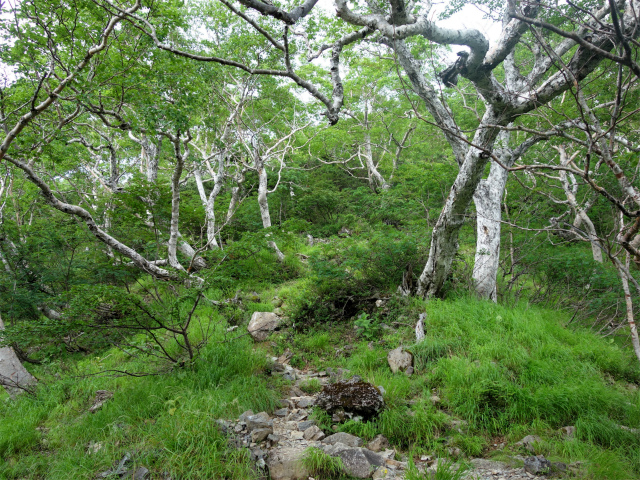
(13, 376)
(444, 239)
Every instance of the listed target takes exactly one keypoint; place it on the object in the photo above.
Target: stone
(296, 416)
(528, 442)
(276, 302)
(297, 435)
(262, 324)
(352, 397)
(568, 431)
(243, 416)
(343, 438)
(378, 444)
(278, 311)
(379, 303)
(259, 434)
(383, 473)
(435, 399)
(282, 412)
(399, 360)
(286, 464)
(140, 473)
(101, 397)
(357, 462)
(537, 465)
(558, 468)
(302, 426)
(259, 420)
(304, 402)
(313, 433)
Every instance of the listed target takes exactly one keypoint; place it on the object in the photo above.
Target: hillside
(503, 372)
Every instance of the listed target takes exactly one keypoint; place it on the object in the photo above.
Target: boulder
(357, 462)
(259, 434)
(568, 431)
(400, 360)
(262, 324)
(313, 433)
(528, 442)
(302, 426)
(343, 438)
(353, 397)
(537, 465)
(286, 464)
(259, 420)
(378, 444)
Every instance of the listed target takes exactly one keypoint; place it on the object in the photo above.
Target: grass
(507, 372)
(321, 465)
(168, 421)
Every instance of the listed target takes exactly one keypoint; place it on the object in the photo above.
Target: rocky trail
(279, 442)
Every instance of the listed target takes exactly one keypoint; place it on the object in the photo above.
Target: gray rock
(313, 433)
(354, 397)
(558, 468)
(262, 324)
(528, 442)
(259, 420)
(302, 426)
(259, 434)
(400, 360)
(344, 438)
(278, 311)
(282, 412)
(378, 444)
(243, 416)
(304, 402)
(568, 431)
(537, 465)
(286, 464)
(357, 462)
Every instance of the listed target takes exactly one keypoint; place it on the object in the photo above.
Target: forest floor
(501, 372)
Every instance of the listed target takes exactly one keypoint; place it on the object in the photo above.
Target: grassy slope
(507, 371)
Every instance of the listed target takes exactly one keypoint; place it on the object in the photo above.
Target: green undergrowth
(499, 374)
(506, 372)
(167, 422)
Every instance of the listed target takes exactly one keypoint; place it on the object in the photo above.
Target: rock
(357, 462)
(383, 473)
(259, 420)
(435, 399)
(528, 441)
(400, 360)
(262, 324)
(313, 433)
(352, 397)
(558, 468)
(568, 431)
(344, 438)
(460, 426)
(296, 435)
(379, 303)
(140, 473)
(537, 465)
(378, 444)
(304, 402)
(259, 434)
(282, 412)
(302, 426)
(344, 232)
(286, 464)
(277, 302)
(278, 311)
(243, 416)
(101, 397)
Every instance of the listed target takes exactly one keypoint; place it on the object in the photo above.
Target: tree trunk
(13, 376)
(175, 213)
(262, 192)
(635, 341)
(488, 201)
(208, 202)
(374, 175)
(444, 239)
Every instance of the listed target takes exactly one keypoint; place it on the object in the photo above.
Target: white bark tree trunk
(13, 376)
(262, 191)
(444, 239)
(488, 201)
(172, 245)
(635, 341)
(208, 202)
